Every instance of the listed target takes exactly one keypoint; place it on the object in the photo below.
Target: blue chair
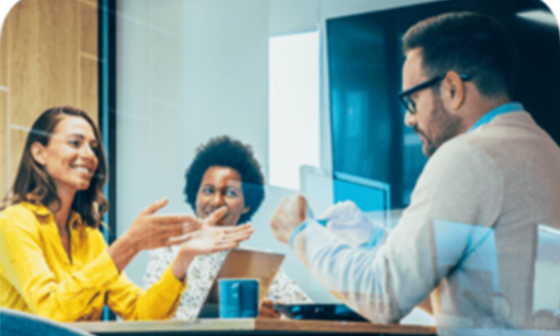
(16, 323)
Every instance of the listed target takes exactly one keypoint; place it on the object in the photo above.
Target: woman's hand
(211, 238)
(207, 240)
(266, 310)
(150, 231)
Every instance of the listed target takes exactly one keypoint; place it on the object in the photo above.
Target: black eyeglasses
(405, 95)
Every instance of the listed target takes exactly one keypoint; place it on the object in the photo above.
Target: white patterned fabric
(201, 274)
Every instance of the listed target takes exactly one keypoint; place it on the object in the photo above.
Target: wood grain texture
(4, 56)
(48, 57)
(43, 68)
(89, 91)
(3, 144)
(17, 142)
(341, 326)
(88, 28)
(249, 325)
(162, 326)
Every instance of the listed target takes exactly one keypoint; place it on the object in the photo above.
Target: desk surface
(249, 326)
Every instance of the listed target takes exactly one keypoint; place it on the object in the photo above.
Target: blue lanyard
(502, 109)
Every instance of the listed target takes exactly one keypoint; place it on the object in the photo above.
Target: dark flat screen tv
(369, 138)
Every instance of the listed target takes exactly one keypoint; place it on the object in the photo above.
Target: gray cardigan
(468, 237)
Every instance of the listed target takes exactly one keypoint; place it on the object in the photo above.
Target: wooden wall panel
(4, 58)
(88, 86)
(4, 95)
(17, 142)
(48, 57)
(88, 61)
(44, 73)
(88, 28)
(3, 144)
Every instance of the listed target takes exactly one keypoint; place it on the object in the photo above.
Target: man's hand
(288, 216)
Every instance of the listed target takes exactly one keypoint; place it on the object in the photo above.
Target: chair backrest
(546, 285)
(546, 280)
(16, 323)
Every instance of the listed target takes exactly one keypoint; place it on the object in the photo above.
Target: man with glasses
(467, 240)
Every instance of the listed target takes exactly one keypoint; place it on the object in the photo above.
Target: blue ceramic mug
(239, 298)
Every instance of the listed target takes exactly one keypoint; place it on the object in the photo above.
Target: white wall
(226, 73)
(295, 16)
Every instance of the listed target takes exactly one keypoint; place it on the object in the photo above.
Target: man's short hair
(226, 152)
(466, 42)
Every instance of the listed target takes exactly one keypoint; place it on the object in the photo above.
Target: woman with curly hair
(54, 261)
(223, 174)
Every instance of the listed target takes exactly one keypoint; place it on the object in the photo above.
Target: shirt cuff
(297, 231)
(169, 286)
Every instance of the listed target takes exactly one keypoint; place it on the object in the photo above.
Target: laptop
(243, 264)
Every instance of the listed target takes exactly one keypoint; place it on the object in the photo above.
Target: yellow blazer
(36, 275)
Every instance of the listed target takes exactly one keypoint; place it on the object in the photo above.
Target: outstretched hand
(211, 238)
(150, 231)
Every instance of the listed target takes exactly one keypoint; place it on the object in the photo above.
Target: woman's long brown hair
(33, 184)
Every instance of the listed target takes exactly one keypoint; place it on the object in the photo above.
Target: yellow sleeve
(23, 263)
(159, 302)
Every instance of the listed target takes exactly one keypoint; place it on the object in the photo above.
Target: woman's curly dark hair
(227, 152)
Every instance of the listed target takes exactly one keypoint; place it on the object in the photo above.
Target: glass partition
(205, 103)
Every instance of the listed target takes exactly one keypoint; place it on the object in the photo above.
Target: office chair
(546, 281)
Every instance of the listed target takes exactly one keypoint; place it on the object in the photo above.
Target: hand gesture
(150, 231)
(211, 238)
(288, 216)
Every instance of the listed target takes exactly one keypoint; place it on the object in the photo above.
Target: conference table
(249, 327)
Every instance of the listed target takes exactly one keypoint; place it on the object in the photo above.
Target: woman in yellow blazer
(54, 261)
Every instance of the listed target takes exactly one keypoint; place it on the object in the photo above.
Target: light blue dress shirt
(502, 109)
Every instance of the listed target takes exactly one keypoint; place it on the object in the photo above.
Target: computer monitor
(322, 189)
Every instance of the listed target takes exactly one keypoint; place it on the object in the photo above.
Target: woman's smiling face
(70, 157)
(221, 186)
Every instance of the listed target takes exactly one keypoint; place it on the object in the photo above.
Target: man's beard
(442, 126)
